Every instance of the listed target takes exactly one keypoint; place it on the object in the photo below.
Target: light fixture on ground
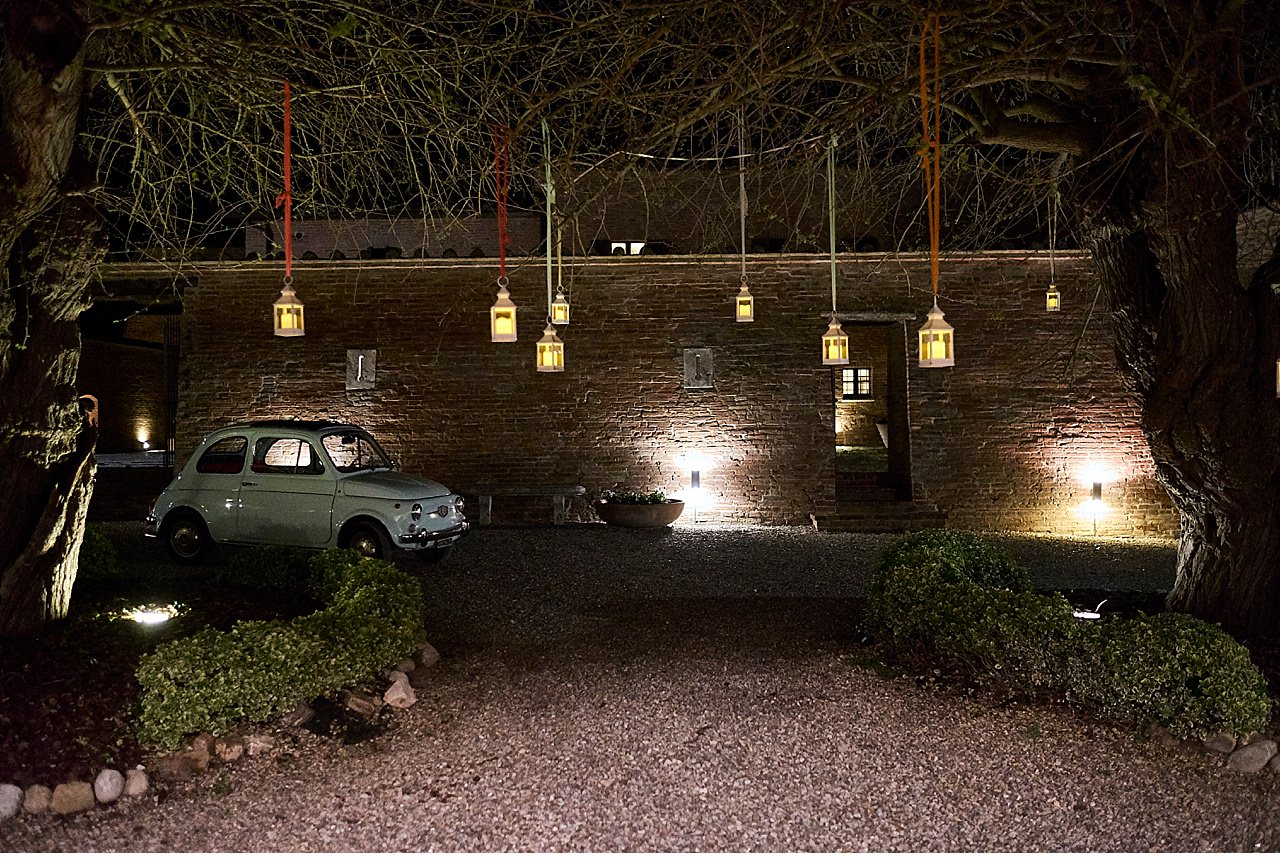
(550, 351)
(288, 312)
(936, 346)
(502, 315)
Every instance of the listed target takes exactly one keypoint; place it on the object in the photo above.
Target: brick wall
(998, 441)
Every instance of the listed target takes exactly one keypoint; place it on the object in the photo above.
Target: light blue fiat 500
(307, 484)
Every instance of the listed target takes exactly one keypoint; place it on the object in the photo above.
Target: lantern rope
(551, 199)
(1053, 233)
(501, 173)
(285, 199)
(831, 217)
(930, 155)
(742, 191)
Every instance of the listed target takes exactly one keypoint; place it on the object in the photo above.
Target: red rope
(501, 173)
(286, 199)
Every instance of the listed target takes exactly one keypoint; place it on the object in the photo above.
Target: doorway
(873, 453)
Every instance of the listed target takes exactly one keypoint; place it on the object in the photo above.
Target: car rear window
(224, 457)
(285, 456)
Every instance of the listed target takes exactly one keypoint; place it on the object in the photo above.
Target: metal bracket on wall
(362, 369)
(698, 372)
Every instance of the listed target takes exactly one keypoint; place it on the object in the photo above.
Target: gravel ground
(699, 690)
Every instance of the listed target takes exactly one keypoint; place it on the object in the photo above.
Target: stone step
(884, 517)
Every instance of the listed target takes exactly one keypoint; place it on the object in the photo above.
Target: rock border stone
(111, 785)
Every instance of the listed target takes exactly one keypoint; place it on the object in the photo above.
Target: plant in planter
(628, 508)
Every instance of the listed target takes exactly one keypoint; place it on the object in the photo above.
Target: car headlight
(415, 511)
(459, 503)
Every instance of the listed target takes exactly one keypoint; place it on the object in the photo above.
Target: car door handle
(248, 484)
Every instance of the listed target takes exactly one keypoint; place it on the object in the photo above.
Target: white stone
(10, 800)
(401, 694)
(108, 786)
(1252, 757)
(37, 799)
(136, 782)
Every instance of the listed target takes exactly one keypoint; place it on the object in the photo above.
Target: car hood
(391, 485)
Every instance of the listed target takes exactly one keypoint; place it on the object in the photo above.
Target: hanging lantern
(1052, 299)
(936, 345)
(288, 312)
(550, 351)
(835, 345)
(560, 310)
(502, 316)
(746, 305)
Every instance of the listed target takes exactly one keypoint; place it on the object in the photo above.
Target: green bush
(98, 559)
(949, 600)
(1172, 669)
(273, 568)
(212, 680)
(959, 556)
(925, 612)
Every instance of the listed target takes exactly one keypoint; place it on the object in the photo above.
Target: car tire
(433, 556)
(369, 540)
(186, 538)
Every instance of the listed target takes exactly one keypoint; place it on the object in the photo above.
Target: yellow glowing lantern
(502, 316)
(560, 310)
(835, 345)
(288, 312)
(746, 305)
(1052, 299)
(936, 345)
(550, 351)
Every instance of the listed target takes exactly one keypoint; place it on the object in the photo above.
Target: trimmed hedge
(953, 601)
(212, 680)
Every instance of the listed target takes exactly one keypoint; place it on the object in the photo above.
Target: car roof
(295, 425)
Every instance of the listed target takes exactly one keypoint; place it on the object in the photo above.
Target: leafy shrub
(1173, 669)
(212, 680)
(947, 599)
(1017, 639)
(959, 556)
(633, 496)
(274, 568)
(98, 559)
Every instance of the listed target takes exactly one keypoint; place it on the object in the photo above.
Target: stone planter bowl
(639, 514)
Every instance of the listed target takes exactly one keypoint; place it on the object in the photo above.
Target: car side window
(224, 457)
(285, 456)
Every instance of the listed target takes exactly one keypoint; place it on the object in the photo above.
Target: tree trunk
(1197, 350)
(49, 237)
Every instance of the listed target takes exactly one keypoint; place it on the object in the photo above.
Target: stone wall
(1000, 441)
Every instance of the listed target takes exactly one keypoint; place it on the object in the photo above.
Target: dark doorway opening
(873, 443)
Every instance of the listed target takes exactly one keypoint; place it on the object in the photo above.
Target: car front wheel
(369, 540)
(186, 538)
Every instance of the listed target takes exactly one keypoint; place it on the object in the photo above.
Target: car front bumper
(434, 538)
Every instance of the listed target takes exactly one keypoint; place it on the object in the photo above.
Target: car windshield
(352, 451)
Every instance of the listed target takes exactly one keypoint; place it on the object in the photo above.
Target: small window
(856, 383)
(285, 456)
(223, 457)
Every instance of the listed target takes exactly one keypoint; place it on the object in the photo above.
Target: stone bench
(559, 498)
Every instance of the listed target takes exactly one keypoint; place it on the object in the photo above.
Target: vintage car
(309, 484)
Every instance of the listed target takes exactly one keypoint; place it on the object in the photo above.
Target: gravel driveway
(699, 690)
